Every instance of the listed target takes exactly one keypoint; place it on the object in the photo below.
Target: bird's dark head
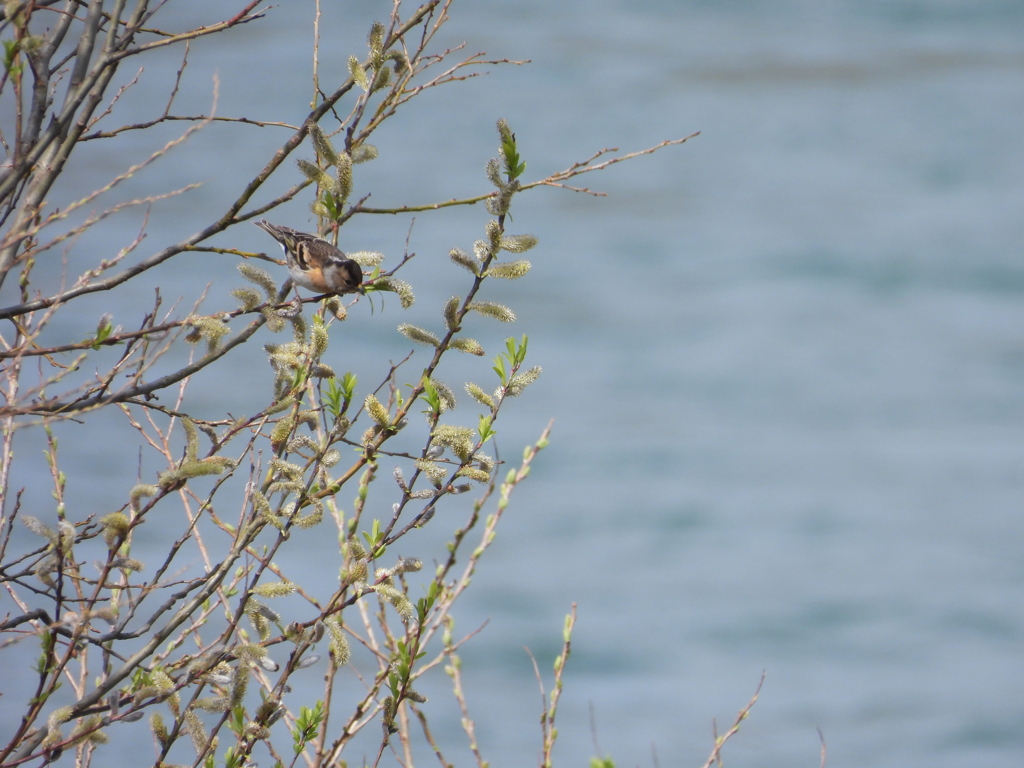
(344, 276)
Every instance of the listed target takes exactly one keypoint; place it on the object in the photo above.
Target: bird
(314, 263)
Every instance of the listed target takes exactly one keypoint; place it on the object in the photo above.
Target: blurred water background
(786, 360)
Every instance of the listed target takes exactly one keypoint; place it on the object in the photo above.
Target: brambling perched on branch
(314, 263)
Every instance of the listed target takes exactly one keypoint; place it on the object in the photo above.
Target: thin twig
(720, 741)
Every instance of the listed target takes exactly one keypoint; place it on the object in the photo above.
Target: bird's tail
(281, 234)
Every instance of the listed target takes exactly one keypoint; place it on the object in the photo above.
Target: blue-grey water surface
(786, 362)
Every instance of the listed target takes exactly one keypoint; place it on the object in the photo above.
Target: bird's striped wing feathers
(313, 252)
(308, 250)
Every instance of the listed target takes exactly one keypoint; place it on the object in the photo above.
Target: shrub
(204, 642)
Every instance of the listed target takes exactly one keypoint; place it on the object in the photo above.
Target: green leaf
(484, 429)
(514, 166)
(431, 396)
(11, 48)
(103, 330)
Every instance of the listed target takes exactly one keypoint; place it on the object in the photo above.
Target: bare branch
(734, 729)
